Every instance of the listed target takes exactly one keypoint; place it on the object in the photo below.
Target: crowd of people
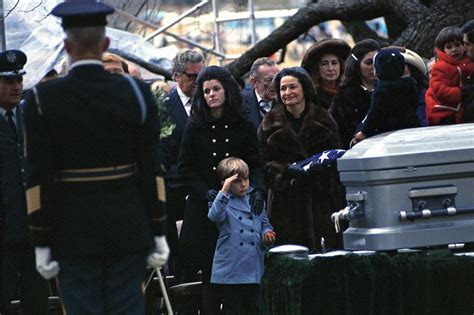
(337, 98)
(87, 180)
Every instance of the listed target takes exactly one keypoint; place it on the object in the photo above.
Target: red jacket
(443, 97)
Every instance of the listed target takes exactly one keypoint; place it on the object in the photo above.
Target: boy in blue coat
(238, 258)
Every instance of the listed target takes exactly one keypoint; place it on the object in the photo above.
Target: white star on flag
(324, 156)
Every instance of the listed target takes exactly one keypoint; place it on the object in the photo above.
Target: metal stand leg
(164, 292)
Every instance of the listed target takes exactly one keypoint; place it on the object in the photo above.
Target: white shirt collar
(4, 111)
(182, 96)
(86, 62)
(258, 96)
(184, 100)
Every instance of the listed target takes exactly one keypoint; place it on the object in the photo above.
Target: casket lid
(425, 146)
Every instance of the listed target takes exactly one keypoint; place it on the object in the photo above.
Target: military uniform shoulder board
(139, 95)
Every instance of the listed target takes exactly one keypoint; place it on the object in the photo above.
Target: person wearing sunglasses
(177, 106)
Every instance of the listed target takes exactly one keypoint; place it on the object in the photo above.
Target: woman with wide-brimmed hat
(324, 61)
(416, 67)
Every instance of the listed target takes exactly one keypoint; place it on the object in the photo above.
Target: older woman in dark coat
(324, 61)
(294, 130)
(217, 130)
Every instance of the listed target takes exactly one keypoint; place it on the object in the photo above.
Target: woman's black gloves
(257, 201)
(210, 195)
(295, 172)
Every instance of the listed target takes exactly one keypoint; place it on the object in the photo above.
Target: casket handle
(431, 213)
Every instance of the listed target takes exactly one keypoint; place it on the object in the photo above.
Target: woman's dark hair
(448, 34)
(233, 103)
(352, 74)
(303, 78)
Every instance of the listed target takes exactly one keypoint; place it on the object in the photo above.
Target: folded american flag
(323, 159)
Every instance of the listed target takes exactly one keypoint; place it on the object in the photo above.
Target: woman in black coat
(216, 130)
(351, 104)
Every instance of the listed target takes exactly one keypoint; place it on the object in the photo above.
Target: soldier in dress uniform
(18, 271)
(94, 203)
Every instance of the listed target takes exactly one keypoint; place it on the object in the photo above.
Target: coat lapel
(177, 110)
(19, 123)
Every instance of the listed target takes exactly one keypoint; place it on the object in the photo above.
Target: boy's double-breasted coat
(202, 148)
(238, 258)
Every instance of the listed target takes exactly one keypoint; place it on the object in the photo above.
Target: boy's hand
(228, 182)
(268, 238)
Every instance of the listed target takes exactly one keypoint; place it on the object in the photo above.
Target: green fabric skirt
(431, 282)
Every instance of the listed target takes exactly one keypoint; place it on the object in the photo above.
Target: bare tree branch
(34, 8)
(11, 10)
(419, 22)
(303, 20)
(360, 30)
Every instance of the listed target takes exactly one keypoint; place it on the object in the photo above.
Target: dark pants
(102, 285)
(20, 280)
(175, 203)
(241, 299)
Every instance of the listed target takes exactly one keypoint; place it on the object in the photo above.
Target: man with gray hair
(186, 66)
(258, 100)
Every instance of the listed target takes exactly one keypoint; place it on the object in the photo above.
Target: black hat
(363, 47)
(389, 64)
(82, 13)
(11, 63)
(337, 47)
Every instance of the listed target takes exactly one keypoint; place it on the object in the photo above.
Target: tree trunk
(423, 22)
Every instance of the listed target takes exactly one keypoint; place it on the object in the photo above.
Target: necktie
(11, 122)
(264, 107)
(187, 107)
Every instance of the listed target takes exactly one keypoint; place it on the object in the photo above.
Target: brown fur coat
(300, 213)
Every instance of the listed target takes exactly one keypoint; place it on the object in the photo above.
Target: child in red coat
(443, 98)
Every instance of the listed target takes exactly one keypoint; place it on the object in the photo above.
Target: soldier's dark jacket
(13, 176)
(81, 124)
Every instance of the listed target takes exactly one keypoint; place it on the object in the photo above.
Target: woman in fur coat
(294, 130)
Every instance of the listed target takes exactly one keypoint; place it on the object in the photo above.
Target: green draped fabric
(431, 282)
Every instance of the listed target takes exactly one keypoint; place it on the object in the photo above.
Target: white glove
(160, 254)
(46, 267)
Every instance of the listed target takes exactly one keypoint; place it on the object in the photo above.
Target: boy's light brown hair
(230, 166)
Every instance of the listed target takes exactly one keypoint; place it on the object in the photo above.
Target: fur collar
(318, 132)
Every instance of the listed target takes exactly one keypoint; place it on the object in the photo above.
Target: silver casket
(410, 188)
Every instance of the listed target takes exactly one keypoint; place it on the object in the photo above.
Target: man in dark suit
(468, 38)
(467, 90)
(18, 273)
(186, 66)
(94, 203)
(258, 100)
